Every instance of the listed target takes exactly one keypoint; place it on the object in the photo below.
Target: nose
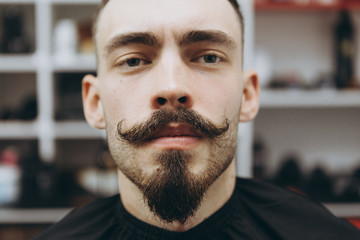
(172, 85)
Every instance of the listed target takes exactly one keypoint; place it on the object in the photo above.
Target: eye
(210, 58)
(133, 62)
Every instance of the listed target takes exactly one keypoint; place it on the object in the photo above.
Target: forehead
(167, 18)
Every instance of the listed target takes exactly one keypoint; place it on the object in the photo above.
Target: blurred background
(305, 138)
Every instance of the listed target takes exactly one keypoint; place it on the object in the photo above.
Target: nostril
(171, 101)
(182, 100)
(161, 100)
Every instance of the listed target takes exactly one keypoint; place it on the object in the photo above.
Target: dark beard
(173, 192)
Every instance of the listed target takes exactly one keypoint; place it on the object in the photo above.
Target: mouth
(175, 136)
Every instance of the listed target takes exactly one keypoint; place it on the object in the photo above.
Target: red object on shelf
(312, 5)
(9, 157)
(354, 221)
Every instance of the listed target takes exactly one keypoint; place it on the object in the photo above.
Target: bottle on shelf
(260, 154)
(289, 174)
(14, 39)
(351, 192)
(9, 176)
(320, 186)
(65, 41)
(344, 51)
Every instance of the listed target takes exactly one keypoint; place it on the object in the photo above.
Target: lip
(175, 136)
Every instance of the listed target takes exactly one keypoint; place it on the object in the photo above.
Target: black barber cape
(256, 210)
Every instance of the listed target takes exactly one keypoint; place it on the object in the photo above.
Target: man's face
(179, 61)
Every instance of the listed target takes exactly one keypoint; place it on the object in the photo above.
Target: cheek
(123, 101)
(111, 101)
(221, 98)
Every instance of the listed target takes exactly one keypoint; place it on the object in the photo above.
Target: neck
(216, 196)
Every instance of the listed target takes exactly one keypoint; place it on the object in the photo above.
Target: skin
(182, 74)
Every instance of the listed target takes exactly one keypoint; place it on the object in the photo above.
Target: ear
(250, 99)
(91, 101)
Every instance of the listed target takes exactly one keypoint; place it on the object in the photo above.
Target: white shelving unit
(245, 133)
(299, 42)
(44, 66)
(327, 98)
(321, 125)
(43, 63)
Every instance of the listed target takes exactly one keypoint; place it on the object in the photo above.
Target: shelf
(76, 64)
(344, 210)
(18, 130)
(50, 1)
(75, 1)
(52, 215)
(76, 130)
(17, 1)
(32, 216)
(17, 63)
(63, 130)
(269, 6)
(309, 99)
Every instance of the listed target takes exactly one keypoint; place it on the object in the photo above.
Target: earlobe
(91, 101)
(250, 99)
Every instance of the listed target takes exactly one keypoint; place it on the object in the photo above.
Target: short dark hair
(233, 3)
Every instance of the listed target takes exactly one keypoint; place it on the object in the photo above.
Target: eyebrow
(124, 39)
(149, 39)
(213, 36)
